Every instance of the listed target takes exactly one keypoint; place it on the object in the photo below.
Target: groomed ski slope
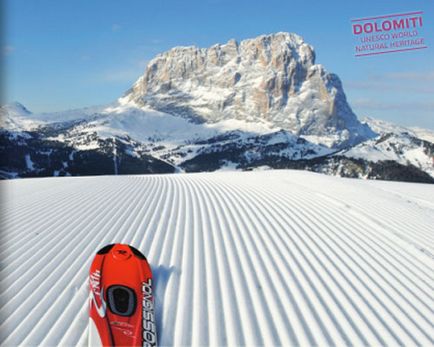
(253, 258)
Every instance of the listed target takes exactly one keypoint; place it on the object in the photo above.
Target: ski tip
(106, 249)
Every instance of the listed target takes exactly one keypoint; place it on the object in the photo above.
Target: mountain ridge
(130, 136)
(105, 144)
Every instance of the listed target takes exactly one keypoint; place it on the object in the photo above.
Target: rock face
(271, 78)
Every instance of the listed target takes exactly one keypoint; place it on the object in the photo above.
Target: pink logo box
(388, 34)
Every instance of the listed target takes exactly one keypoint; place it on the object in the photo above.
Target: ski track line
(117, 231)
(321, 327)
(341, 316)
(372, 207)
(51, 229)
(421, 230)
(246, 257)
(217, 301)
(268, 316)
(339, 336)
(301, 232)
(356, 226)
(46, 250)
(166, 280)
(44, 286)
(154, 219)
(281, 322)
(386, 276)
(40, 210)
(242, 306)
(312, 252)
(22, 197)
(138, 227)
(354, 223)
(299, 236)
(233, 327)
(24, 189)
(200, 293)
(401, 325)
(15, 205)
(163, 230)
(182, 329)
(414, 199)
(46, 241)
(313, 299)
(266, 274)
(47, 213)
(259, 258)
(56, 331)
(380, 227)
(40, 203)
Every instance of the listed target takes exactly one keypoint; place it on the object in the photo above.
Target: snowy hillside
(124, 139)
(402, 148)
(383, 127)
(14, 117)
(254, 258)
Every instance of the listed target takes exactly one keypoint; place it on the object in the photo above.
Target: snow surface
(424, 134)
(141, 123)
(246, 258)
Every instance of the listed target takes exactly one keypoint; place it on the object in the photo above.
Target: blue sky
(69, 54)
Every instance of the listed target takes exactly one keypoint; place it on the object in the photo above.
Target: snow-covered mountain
(204, 110)
(270, 78)
(404, 145)
(14, 117)
(383, 127)
(282, 258)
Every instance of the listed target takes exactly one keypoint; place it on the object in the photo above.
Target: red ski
(121, 302)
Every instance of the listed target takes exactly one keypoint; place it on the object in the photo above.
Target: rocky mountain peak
(271, 78)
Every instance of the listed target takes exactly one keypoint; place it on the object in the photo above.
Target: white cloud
(116, 27)
(127, 74)
(411, 76)
(375, 105)
(417, 82)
